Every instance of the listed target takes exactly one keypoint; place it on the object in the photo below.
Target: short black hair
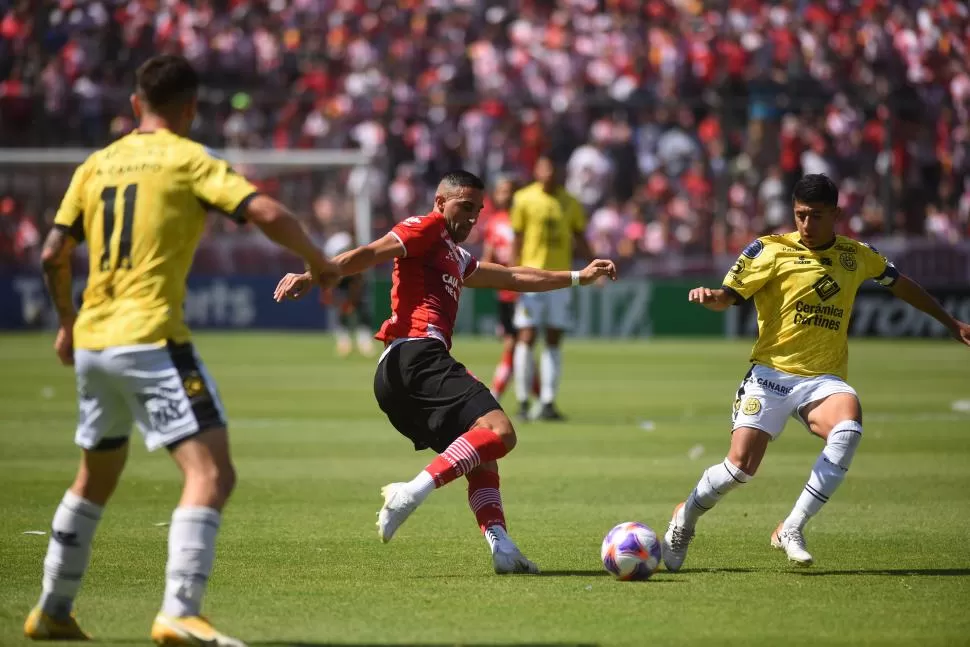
(816, 188)
(166, 81)
(463, 179)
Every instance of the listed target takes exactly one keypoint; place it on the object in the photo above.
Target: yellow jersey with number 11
(546, 223)
(804, 299)
(141, 205)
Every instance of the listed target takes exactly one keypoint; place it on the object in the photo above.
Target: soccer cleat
(508, 559)
(792, 541)
(398, 506)
(550, 413)
(40, 626)
(676, 540)
(524, 414)
(193, 631)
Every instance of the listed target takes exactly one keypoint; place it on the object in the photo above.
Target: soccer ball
(631, 551)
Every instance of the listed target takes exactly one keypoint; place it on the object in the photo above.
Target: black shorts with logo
(506, 313)
(429, 396)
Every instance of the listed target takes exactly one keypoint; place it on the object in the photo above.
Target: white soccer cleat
(676, 540)
(399, 503)
(508, 559)
(792, 541)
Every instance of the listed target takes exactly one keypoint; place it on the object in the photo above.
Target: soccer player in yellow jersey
(549, 226)
(141, 205)
(803, 285)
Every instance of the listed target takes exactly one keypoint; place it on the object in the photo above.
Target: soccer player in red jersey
(426, 394)
(499, 247)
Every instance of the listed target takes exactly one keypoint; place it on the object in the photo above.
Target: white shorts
(165, 389)
(768, 397)
(544, 310)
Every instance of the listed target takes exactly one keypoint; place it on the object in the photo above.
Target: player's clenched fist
(596, 270)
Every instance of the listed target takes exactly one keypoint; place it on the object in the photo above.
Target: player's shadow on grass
(285, 643)
(718, 570)
(896, 572)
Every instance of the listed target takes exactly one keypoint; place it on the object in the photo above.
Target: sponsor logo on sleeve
(753, 249)
(738, 267)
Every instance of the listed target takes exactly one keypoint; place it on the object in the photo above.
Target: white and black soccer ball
(631, 551)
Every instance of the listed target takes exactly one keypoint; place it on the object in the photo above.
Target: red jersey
(500, 235)
(427, 281)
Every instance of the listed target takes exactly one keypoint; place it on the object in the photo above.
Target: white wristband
(575, 277)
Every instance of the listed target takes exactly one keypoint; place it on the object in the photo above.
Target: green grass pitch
(299, 561)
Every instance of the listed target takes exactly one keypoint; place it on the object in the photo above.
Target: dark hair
(463, 179)
(166, 81)
(816, 189)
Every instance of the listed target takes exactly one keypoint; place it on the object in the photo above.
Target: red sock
(502, 374)
(469, 450)
(485, 500)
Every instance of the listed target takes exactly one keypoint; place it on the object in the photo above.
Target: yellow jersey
(546, 223)
(141, 204)
(804, 299)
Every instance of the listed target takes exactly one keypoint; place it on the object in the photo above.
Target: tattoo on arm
(56, 261)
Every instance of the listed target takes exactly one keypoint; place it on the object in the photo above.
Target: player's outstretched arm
(282, 227)
(530, 279)
(913, 293)
(355, 261)
(716, 299)
(56, 262)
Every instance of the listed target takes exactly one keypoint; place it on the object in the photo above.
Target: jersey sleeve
(750, 272)
(218, 186)
(70, 215)
(468, 263)
(877, 267)
(418, 234)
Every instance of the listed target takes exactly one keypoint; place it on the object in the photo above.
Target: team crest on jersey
(848, 261)
(826, 287)
(751, 406)
(753, 249)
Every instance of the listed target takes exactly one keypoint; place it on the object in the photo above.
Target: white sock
(191, 552)
(716, 481)
(365, 342)
(421, 485)
(522, 364)
(827, 473)
(68, 552)
(550, 366)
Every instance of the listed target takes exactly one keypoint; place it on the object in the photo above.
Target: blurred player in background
(348, 304)
(804, 285)
(141, 204)
(427, 395)
(549, 226)
(499, 247)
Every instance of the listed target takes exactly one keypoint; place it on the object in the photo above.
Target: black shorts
(506, 312)
(427, 395)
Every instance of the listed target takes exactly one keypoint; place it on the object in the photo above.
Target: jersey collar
(820, 248)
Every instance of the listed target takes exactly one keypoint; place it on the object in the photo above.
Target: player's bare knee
(499, 423)
(527, 336)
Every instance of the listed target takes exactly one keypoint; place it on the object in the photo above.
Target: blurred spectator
(669, 115)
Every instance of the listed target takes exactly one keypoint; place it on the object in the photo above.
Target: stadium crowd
(681, 125)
